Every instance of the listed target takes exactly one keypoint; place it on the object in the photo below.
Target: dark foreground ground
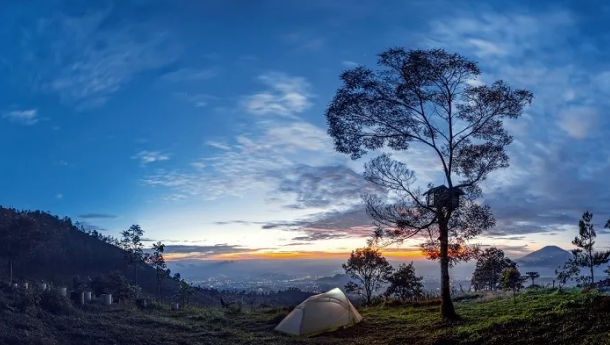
(533, 317)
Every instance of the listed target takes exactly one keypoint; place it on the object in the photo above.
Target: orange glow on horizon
(402, 253)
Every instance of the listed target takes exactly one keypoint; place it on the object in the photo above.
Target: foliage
(369, 269)
(20, 234)
(116, 284)
(52, 301)
(93, 232)
(426, 99)
(569, 271)
(185, 291)
(490, 264)
(404, 284)
(584, 255)
(131, 242)
(511, 279)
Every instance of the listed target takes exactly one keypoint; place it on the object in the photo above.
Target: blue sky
(204, 121)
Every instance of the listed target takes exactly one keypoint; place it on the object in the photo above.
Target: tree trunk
(10, 265)
(592, 277)
(447, 310)
(135, 268)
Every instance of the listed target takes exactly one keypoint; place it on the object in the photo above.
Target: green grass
(533, 317)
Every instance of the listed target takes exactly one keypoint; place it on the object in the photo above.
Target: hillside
(534, 317)
(62, 253)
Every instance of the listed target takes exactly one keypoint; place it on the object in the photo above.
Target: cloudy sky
(203, 121)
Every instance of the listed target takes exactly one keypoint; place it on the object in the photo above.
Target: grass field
(533, 317)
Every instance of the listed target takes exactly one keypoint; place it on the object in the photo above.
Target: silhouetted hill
(63, 252)
(549, 258)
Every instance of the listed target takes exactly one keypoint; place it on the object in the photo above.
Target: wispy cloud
(26, 117)
(191, 74)
(147, 157)
(93, 55)
(286, 96)
(578, 121)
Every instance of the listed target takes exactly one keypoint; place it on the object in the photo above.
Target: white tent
(320, 313)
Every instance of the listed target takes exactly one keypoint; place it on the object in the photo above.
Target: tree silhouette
(369, 269)
(490, 263)
(426, 99)
(157, 261)
(404, 283)
(533, 276)
(567, 272)
(584, 255)
(131, 242)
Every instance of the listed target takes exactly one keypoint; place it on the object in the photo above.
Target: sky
(203, 121)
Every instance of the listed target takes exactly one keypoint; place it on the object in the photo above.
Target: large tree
(584, 255)
(490, 263)
(426, 99)
(368, 269)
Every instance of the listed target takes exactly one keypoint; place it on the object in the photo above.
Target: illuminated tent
(320, 313)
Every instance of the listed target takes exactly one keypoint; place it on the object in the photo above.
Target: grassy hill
(533, 317)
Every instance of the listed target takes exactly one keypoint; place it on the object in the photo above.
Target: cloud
(578, 121)
(196, 252)
(253, 162)
(199, 100)
(287, 96)
(26, 117)
(190, 74)
(490, 34)
(85, 59)
(324, 186)
(147, 157)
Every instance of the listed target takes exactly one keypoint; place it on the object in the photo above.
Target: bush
(53, 302)
(26, 299)
(116, 284)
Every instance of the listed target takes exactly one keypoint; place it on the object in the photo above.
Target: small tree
(567, 272)
(185, 291)
(511, 279)
(584, 255)
(404, 284)
(533, 276)
(134, 250)
(490, 263)
(369, 268)
(157, 261)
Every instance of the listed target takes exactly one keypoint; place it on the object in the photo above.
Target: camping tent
(320, 313)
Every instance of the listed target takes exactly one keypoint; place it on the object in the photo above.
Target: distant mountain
(549, 257)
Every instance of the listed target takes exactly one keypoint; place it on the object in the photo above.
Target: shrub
(53, 302)
(116, 284)
(26, 299)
